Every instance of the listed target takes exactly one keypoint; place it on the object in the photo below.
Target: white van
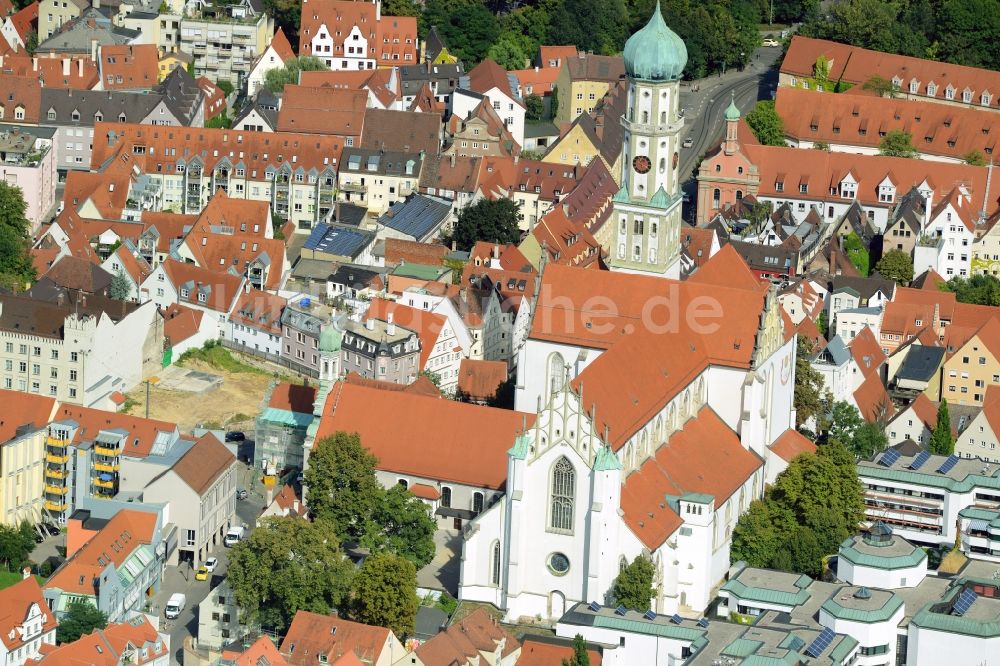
(175, 605)
(234, 535)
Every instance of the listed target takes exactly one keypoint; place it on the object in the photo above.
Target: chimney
(295, 506)
(34, 64)
(65, 64)
(927, 210)
(93, 48)
(25, 572)
(79, 67)
(452, 159)
(370, 324)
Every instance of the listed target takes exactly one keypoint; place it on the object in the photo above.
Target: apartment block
(225, 46)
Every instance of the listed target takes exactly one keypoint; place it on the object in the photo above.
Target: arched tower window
(495, 564)
(563, 490)
(557, 372)
(716, 196)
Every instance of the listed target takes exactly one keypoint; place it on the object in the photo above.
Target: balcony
(353, 187)
(107, 467)
(56, 490)
(56, 443)
(110, 452)
(55, 473)
(101, 483)
(56, 459)
(58, 507)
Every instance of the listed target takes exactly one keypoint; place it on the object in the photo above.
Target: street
(706, 107)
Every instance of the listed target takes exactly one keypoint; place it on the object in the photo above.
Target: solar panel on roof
(703, 623)
(649, 615)
(948, 464)
(620, 610)
(965, 601)
(594, 606)
(889, 458)
(676, 619)
(919, 461)
(821, 643)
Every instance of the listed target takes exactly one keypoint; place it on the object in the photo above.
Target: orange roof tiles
(25, 20)
(536, 653)
(567, 243)
(435, 439)
(141, 432)
(945, 301)
(282, 47)
(537, 81)
(76, 72)
(427, 325)
(224, 287)
(116, 541)
(392, 40)
(24, 94)
(488, 75)
(215, 97)
(293, 397)
(260, 310)
(679, 467)
(204, 463)
(791, 444)
(15, 603)
(873, 401)
(289, 502)
(262, 651)
(379, 82)
(129, 66)
(424, 491)
(106, 647)
(323, 110)
(867, 352)
(135, 266)
(926, 411)
(480, 379)
(555, 56)
(422, 386)
(463, 641)
(311, 635)
(180, 323)
(168, 226)
(398, 250)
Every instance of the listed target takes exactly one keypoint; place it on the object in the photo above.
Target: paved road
(706, 101)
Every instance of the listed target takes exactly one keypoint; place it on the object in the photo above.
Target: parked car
(211, 563)
(202, 573)
(235, 436)
(688, 142)
(175, 605)
(241, 494)
(771, 42)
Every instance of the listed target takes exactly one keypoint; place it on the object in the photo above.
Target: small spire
(733, 112)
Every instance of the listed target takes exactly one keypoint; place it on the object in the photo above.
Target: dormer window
(201, 297)
(779, 186)
(985, 98)
(185, 293)
(949, 92)
(914, 86)
(967, 96)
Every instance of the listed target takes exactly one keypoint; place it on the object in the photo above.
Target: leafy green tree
(554, 101)
(823, 324)
(600, 26)
(494, 221)
(221, 121)
(821, 145)
(896, 265)
(276, 79)
(286, 565)
(856, 251)
(535, 107)
(766, 124)
(400, 8)
(226, 87)
(507, 53)
(968, 32)
(845, 421)
(31, 42)
(16, 267)
(121, 287)
(880, 86)
(941, 441)
(974, 158)
(806, 553)
(81, 618)
(287, 16)
(580, 655)
(865, 23)
(979, 289)
(808, 392)
(897, 143)
(403, 525)
(868, 440)
(760, 533)
(16, 544)
(385, 593)
(341, 487)
(466, 26)
(633, 588)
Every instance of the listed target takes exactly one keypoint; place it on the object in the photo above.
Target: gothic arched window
(563, 490)
(557, 372)
(495, 564)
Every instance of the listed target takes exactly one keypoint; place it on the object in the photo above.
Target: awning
(106, 477)
(979, 526)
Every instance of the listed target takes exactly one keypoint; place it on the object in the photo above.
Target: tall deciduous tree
(633, 587)
(16, 544)
(286, 565)
(808, 393)
(81, 618)
(494, 221)
(16, 267)
(845, 420)
(385, 593)
(766, 124)
(341, 487)
(402, 524)
(897, 143)
(941, 441)
(978, 289)
(466, 26)
(121, 287)
(580, 655)
(276, 79)
(896, 265)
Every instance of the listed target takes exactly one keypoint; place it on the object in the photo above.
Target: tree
(276, 79)
(761, 533)
(226, 87)
(633, 588)
(880, 86)
(554, 101)
(16, 267)
(31, 42)
(466, 26)
(896, 265)
(600, 26)
(221, 121)
(856, 251)
(81, 618)
(400, 8)
(121, 287)
(941, 441)
(385, 593)
(341, 487)
(493, 221)
(845, 420)
(535, 107)
(897, 143)
(287, 16)
(868, 440)
(16, 544)
(507, 53)
(974, 158)
(580, 655)
(823, 323)
(808, 392)
(821, 145)
(979, 289)
(766, 124)
(805, 552)
(402, 524)
(286, 565)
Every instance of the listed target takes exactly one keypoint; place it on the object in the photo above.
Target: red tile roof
(282, 47)
(566, 243)
(435, 439)
(873, 401)
(463, 641)
(679, 467)
(15, 604)
(225, 287)
(323, 110)
(22, 92)
(555, 56)
(76, 72)
(536, 653)
(488, 75)
(180, 323)
(867, 352)
(379, 82)
(313, 635)
(215, 98)
(390, 39)
(422, 386)
(290, 503)
(927, 411)
(105, 647)
(113, 544)
(537, 81)
(398, 250)
(480, 379)
(135, 266)
(262, 651)
(791, 444)
(129, 66)
(260, 310)
(204, 463)
(141, 432)
(427, 325)
(293, 397)
(424, 491)
(25, 20)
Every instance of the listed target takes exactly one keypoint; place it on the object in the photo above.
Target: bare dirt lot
(236, 399)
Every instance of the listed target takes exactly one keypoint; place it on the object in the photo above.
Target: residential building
(476, 638)
(340, 243)
(214, 293)
(86, 34)
(418, 218)
(27, 161)
(583, 80)
(133, 640)
(172, 60)
(22, 456)
(440, 353)
(313, 638)
(185, 328)
(16, 27)
(82, 349)
(381, 350)
(325, 110)
(128, 67)
(52, 15)
(29, 626)
(277, 53)
(377, 179)
(219, 619)
(915, 422)
(595, 134)
(115, 569)
(973, 367)
(281, 426)
(354, 35)
(256, 322)
(480, 381)
(980, 438)
(381, 85)
(480, 134)
(404, 131)
(302, 322)
(289, 171)
(286, 503)
(226, 40)
(490, 81)
(440, 79)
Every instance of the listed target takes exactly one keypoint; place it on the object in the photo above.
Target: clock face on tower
(641, 164)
